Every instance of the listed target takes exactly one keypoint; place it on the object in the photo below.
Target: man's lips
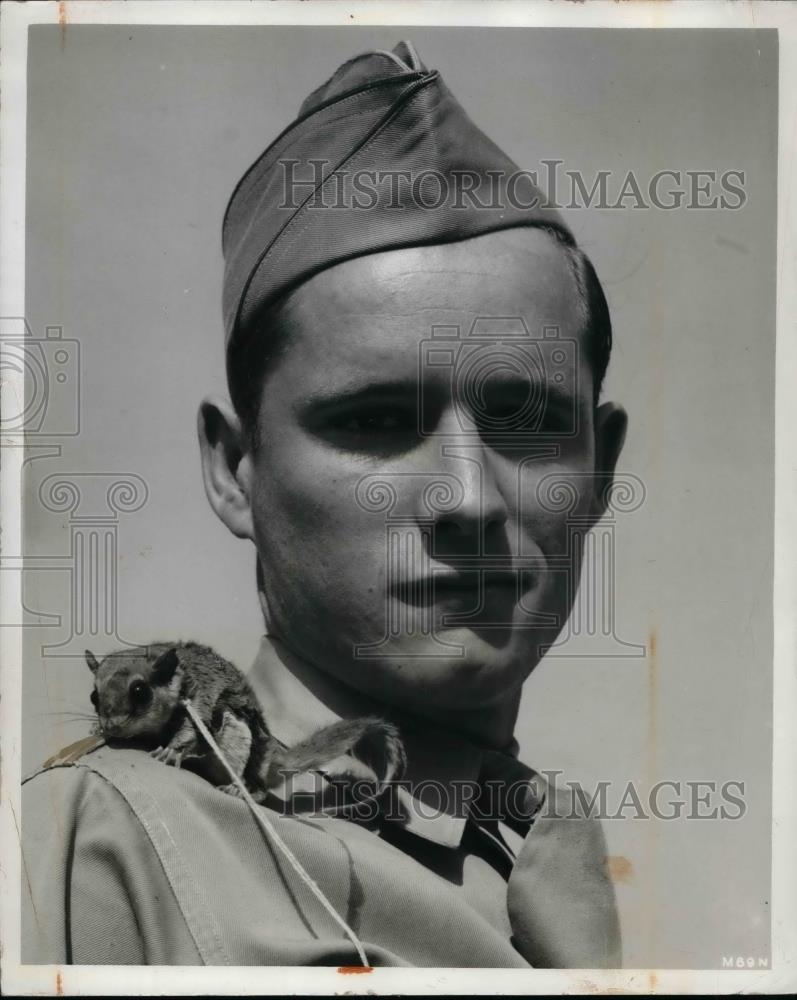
(469, 584)
(471, 580)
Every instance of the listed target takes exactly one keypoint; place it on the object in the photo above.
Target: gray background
(136, 137)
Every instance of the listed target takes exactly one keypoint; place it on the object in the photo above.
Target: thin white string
(270, 831)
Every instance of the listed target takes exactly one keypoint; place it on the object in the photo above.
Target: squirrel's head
(136, 691)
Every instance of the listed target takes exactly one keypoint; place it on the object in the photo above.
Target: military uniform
(128, 861)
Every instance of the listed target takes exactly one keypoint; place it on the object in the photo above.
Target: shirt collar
(436, 760)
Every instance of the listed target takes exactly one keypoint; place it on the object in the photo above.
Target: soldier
(415, 353)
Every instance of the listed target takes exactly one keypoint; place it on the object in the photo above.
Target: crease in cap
(381, 156)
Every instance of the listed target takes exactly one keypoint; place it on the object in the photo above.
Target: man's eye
(374, 421)
(509, 419)
(523, 418)
(375, 428)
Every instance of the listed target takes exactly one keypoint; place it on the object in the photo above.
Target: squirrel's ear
(163, 669)
(92, 661)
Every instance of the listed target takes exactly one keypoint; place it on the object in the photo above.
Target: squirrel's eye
(140, 693)
(95, 701)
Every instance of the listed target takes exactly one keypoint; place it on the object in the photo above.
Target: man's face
(403, 492)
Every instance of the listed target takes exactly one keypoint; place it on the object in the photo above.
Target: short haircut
(256, 349)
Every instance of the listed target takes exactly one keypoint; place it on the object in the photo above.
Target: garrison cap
(381, 156)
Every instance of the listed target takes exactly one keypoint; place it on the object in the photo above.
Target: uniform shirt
(128, 861)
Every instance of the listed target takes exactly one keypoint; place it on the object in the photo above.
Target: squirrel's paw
(374, 757)
(393, 761)
(166, 755)
(377, 760)
(231, 789)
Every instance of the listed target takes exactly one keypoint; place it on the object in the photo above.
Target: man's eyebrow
(359, 390)
(367, 389)
(555, 393)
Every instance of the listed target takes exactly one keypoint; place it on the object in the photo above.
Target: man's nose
(462, 454)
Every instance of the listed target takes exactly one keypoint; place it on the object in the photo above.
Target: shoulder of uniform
(75, 781)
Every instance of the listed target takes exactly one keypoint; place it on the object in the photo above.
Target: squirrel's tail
(367, 749)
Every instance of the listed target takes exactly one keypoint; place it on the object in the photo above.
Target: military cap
(381, 156)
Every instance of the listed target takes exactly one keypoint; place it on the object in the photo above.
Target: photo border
(15, 18)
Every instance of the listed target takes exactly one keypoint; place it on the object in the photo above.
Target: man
(414, 373)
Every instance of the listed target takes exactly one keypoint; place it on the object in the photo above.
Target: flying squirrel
(138, 696)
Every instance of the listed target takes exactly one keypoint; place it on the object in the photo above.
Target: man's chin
(460, 668)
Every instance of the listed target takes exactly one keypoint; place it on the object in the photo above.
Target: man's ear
(611, 423)
(225, 464)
